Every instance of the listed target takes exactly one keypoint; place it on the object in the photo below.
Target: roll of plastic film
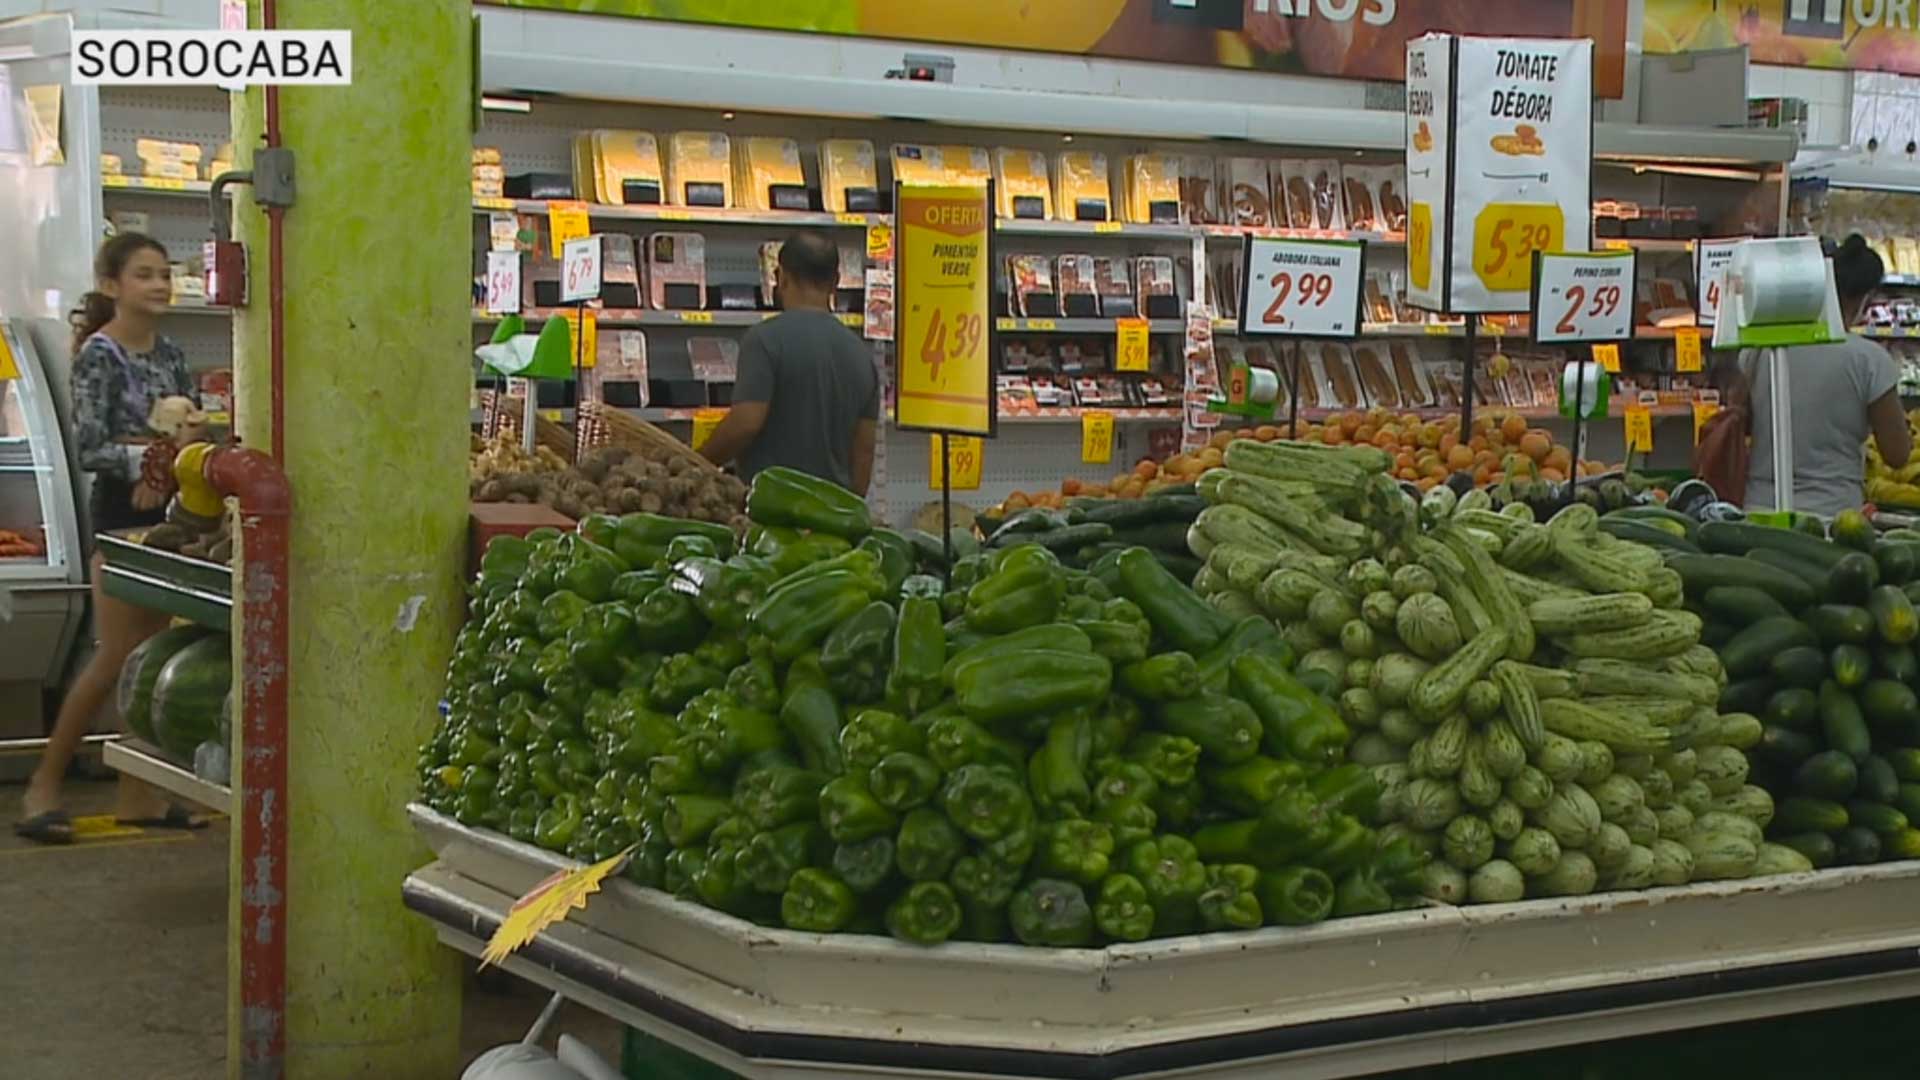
(1779, 281)
(1263, 386)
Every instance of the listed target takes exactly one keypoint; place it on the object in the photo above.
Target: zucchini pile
(1816, 636)
(1533, 695)
(1088, 529)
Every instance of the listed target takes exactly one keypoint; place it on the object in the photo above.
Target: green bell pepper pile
(825, 727)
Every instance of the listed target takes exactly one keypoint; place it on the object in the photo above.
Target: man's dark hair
(811, 257)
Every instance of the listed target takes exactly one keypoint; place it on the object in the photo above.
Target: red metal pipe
(266, 507)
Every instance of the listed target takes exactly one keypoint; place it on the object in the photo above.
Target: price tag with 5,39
(1096, 437)
(1505, 236)
(503, 282)
(580, 270)
(1710, 261)
(1583, 296)
(1306, 288)
(963, 461)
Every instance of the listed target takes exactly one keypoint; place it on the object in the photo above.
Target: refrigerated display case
(43, 590)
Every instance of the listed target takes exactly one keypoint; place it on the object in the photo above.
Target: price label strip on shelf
(1608, 357)
(565, 221)
(941, 326)
(1303, 288)
(704, 421)
(503, 282)
(1582, 296)
(1687, 352)
(963, 461)
(1130, 345)
(1096, 437)
(1710, 261)
(580, 270)
(561, 894)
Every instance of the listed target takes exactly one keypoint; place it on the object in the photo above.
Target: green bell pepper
(558, 823)
(954, 740)
(1123, 911)
(1293, 826)
(1016, 846)
(772, 857)
(1170, 868)
(1119, 642)
(1062, 637)
(689, 546)
(506, 555)
(1360, 893)
(796, 615)
(788, 550)
(865, 865)
(903, 780)
(1248, 786)
(1348, 789)
(1226, 729)
(721, 592)
(1294, 896)
(927, 913)
(1169, 759)
(919, 653)
(681, 868)
(982, 881)
(873, 734)
(1074, 850)
(680, 677)
(1037, 681)
(895, 555)
(723, 736)
(1057, 772)
(1397, 866)
(1169, 676)
(817, 902)
(590, 571)
(517, 614)
(855, 654)
(597, 642)
(635, 586)
(778, 795)
(1295, 722)
(1231, 900)
(1015, 598)
(985, 801)
(756, 684)
(1114, 723)
(640, 670)
(811, 716)
(1118, 780)
(641, 539)
(519, 665)
(667, 621)
(559, 612)
(1177, 613)
(1047, 911)
(851, 813)
(720, 885)
(926, 845)
(1255, 633)
(1348, 846)
(1132, 820)
(783, 496)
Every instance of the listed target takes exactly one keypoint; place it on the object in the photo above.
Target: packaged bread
(848, 178)
(677, 271)
(1409, 375)
(1311, 385)
(1544, 377)
(482, 155)
(767, 174)
(629, 167)
(699, 169)
(1082, 188)
(1370, 365)
(1487, 388)
(1020, 185)
(1359, 188)
(1114, 285)
(1153, 189)
(1379, 297)
(172, 160)
(1199, 196)
(1391, 198)
(1514, 383)
(1313, 196)
(586, 181)
(853, 264)
(1336, 363)
(1249, 201)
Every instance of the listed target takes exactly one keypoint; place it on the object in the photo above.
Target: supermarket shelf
(1122, 414)
(639, 317)
(145, 762)
(200, 592)
(154, 185)
(699, 215)
(1377, 993)
(1886, 331)
(1454, 330)
(1037, 227)
(1642, 243)
(1901, 279)
(1079, 326)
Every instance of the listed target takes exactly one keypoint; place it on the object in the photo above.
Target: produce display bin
(192, 589)
(143, 761)
(1343, 998)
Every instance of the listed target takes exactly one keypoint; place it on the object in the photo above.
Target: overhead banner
(1502, 165)
(1352, 39)
(942, 279)
(1868, 35)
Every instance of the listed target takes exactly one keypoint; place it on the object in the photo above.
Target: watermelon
(188, 694)
(133, 696)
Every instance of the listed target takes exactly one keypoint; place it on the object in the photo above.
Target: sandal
(46, 827)
(176, 817)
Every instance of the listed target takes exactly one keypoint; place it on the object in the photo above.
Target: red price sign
(580, 270)
(1303, 287)
(503, 282)
(1584, 296)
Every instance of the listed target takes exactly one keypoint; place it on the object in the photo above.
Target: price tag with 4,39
(963, 461)
(1583, 296)
(503, 282)
(1096, 437)
(580, 270)
(1710, 261)
(1309, 288)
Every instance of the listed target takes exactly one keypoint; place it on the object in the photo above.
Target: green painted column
(377, 255)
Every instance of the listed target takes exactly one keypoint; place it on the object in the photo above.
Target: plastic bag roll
(1263, 386)
(1779, 281)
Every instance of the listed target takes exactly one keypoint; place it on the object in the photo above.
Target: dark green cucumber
(1785, 746)
(1842, 722)
(1888, 705)
(1893, 614)
(1828, 774)
(1799, 813)
(1907, 798)
(1851, 665)
(1747, 695)
(1896, 662)
(1905, 762)
(1877, 782)
(1879, 817)
(1702, 572)
(1715, 633)
(1795, 707)
(1803, 666)
(1818, 847)
(1651, 535)
(1673, 521)
(1898, 560)
(1754, 647)
(1814, 577)
(1858, 845)
(1835, 624)
(1742, 604)
(1741, 537)
(1852, 578)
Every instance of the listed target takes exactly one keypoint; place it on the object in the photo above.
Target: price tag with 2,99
(1583, 296)
(1303, 288)
(580, 270)
(503, 282)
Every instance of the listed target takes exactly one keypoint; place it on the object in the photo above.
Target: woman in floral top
(121, 367)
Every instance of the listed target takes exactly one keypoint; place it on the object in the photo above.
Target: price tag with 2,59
(1710, 261)
(1583, 296)
(1303, 288)
(503, 282)
(580, 270)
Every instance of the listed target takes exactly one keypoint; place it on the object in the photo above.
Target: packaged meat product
(629, 167)
(1199, 197)
(1313, 193)
(1379, 297)
(1030, 278)
(1153, 391)
(848, 178)
(626, 361)
(1017, 357)
(1410, 375)
(1117, 391)
(1153, 189)
(1076, 356)
(769, 274)
(1391, 199)
(1544, 377)
(1082, 186)
(714, 359)
(699, 169)
(1074, 276)
(1154, 287)
(1359, 186)
(1015, 393)
(1249, 201)
(1020, 185)
(677, 271)
(1337, 362)
(767, 174)
(1368, 364)
(914, 163)
(1086, 392)
(877, 320)
(619, 271)
(1115, 287)
(1050, 392)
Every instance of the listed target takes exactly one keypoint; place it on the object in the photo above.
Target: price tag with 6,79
(503, 282)
(1305, 288)
(1583, 296)
(580, 270)
(963, 461)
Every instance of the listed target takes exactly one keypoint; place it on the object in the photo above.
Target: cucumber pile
(1817, 637)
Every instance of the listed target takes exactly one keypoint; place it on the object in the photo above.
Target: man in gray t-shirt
(807, 395)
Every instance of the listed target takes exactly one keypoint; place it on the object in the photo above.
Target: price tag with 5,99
(1583, 296)
(1505, 236)
(580, 270)
(503, 282)
(1303, 287)
(963, 461)
(1130, 349)
(1710, 261)
(1687, 355)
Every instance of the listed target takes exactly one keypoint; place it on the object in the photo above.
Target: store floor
(113, 959)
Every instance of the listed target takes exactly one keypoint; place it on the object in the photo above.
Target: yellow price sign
(585, 326)
(1506, 235)
(963, 461)
(9, 368)
(1703, 411)
(1130, 352)
(704, 421)
(166, 183)
(1106, 227)
(1639, 428)
(566, 221)
(1420, 244)
(703, 318)
(1042, 324)
(1608, 356)
(942, 307)
(880, 242)
(1096, 437)
(675, 215)
(1440, 329)
(564, 892)
(1686, 351)
(846, 218)
(116, 180)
